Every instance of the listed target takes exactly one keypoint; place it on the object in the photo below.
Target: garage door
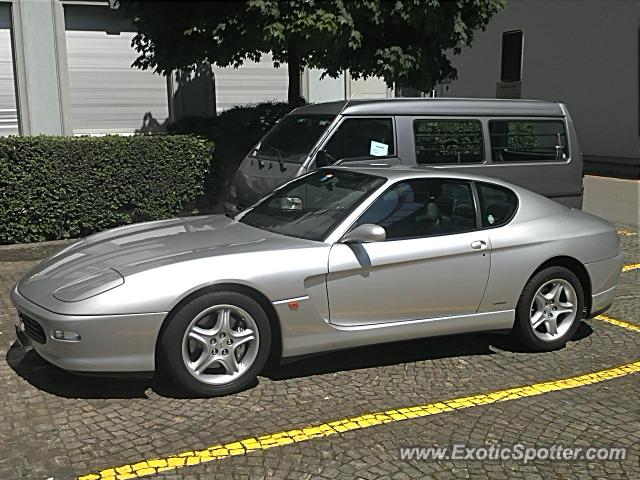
(8, 109)
(107, 95)
(253, 82)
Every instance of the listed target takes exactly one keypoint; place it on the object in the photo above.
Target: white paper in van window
(378, 149)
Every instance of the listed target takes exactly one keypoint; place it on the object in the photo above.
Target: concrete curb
(22, 252)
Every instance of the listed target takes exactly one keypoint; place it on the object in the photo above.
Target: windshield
(312, 206)
(292, 138)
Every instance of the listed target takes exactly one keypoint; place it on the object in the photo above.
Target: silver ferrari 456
(338, 258)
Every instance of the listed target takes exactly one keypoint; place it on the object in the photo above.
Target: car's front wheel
(215, 344)
(549, 309)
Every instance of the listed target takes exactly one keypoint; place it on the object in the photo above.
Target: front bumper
(108, 343)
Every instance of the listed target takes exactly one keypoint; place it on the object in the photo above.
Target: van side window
(448, 141)
(528, 140)
(362, 138)
(423, 208)
(497, 204)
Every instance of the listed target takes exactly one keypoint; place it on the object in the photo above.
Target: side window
(497, 204)
(448, 141)
(423, 208)
(528, 140)
(362, 137)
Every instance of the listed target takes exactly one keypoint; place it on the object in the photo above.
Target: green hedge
(65, 187)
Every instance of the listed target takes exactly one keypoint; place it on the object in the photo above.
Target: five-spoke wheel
(220, 344)
(216, 343)
(553, 309)
(549, 310)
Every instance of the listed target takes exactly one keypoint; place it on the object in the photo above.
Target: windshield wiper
(280, 154)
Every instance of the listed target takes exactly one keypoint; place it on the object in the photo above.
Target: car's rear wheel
(549, 309)
(215, 344)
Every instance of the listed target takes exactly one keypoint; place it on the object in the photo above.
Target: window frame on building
(506, 74)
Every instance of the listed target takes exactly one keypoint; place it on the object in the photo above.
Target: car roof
(404, 172)
(437, 106)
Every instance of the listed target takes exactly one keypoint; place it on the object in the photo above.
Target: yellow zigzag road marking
(633, 266)
(216, 452)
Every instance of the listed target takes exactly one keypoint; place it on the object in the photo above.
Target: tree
(410, 42)
(406, 42)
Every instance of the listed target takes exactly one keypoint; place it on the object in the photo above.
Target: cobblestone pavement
(57, 425)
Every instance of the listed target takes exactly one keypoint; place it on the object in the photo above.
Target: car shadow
(51, 379)
(382, 355)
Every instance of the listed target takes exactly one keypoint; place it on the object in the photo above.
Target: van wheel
(216, 344)
(549, 309)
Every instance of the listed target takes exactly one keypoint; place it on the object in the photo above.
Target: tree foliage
(406, 42)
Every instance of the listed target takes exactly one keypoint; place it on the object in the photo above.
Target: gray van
(527, 142)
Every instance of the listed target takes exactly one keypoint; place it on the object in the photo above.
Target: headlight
(89, 286)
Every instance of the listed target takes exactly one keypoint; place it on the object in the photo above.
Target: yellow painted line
(241, 447)
(620, 323)
(633, 266)
(625, 232)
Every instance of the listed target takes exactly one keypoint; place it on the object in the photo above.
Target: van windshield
(292, 138)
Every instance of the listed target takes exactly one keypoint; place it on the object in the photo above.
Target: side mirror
(365, 233)
(323, 159)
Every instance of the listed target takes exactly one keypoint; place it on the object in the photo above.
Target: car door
(434, 262)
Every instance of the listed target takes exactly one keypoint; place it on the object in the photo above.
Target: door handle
(479, 245)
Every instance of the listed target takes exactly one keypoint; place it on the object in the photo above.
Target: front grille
(33, 329)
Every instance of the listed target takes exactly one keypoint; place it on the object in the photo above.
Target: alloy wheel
(553, 309)
(220, 344)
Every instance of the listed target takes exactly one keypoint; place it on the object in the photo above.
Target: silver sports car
(338, 258)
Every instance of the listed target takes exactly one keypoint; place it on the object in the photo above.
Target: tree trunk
(294, 68)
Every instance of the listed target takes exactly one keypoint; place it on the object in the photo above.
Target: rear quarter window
(498, 204)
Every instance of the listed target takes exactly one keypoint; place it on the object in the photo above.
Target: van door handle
(479, 245)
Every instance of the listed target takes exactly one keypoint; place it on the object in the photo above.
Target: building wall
(72, 75)
(8, 107)
(584, 53)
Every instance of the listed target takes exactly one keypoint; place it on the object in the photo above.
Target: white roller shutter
(253, 82)
(107, 95)
(8, 109)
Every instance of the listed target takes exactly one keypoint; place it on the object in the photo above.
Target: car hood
(126, 250)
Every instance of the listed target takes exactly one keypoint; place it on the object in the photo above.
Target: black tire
(171, 364)
(523, 331)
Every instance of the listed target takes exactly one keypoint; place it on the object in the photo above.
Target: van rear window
(528, 141)
(448, 141)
